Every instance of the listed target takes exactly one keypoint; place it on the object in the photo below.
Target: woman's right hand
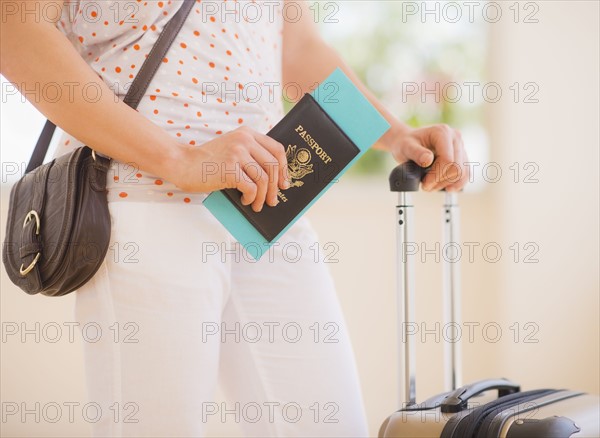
(243, 159)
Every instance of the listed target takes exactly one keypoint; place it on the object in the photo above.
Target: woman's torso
(222, 71)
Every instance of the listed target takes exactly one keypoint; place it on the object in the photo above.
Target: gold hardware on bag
(28, 269)
(37, 220)
(94, 154)
(31, 214)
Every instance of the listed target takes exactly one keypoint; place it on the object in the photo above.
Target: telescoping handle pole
(452, 304)
(404, 180)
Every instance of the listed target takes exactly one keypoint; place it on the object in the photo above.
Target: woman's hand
(243, 159)
(437, 144)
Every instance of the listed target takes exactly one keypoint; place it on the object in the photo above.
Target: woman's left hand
(437, 144)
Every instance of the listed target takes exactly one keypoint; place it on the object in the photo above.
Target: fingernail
(425, 159)
(286, 184)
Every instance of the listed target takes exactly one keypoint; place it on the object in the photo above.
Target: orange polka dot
(223, 30)
(170, 122)
(192, 142)
(139, 175)
(94, 14)
(118, 69)
(153, 27)
(219, 132)
(228, 52)
(194, 80)
(213, 19)
(196, 33)
(106, 23)
(199, 114)
(155, 111)
(136, 47)
(145, 28)
(170, 194)
(81, 39)
(116, 178)
(240, 121)
(160, 4)
(183, 45)
(211, 64)
(123, 195)
(158, 182)
(67, 142)
(152, 97)
(187, 200)
(166, 60)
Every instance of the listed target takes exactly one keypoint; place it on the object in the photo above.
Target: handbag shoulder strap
(139, 85)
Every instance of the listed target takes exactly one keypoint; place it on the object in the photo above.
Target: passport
(323, 135)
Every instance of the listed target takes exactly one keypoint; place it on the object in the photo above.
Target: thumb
(415, 151)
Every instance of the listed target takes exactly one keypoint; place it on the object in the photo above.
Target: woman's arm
(33, 51)
(307, 59)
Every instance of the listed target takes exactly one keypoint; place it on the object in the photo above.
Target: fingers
(248, 188)
(413, 150)
(460, 156)
(440, 140)
(264, 164)
(277, 150)
(266, 174)
(448, 170)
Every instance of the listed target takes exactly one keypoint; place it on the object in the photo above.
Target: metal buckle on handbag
(28, 217)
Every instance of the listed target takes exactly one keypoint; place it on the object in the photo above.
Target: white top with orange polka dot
(223, 71)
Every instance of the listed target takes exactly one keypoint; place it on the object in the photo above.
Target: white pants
(178, 313)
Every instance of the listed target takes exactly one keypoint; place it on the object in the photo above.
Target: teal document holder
(353, 114)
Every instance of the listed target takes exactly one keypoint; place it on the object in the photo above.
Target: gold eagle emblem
(298, 166)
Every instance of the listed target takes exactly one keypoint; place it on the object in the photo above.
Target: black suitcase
(460, 412)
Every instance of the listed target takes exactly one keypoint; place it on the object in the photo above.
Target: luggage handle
(404, 179)
(458, 400)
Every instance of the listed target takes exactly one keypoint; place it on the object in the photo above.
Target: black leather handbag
(58, 226)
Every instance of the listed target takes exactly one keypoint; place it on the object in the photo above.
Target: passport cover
(324, 134)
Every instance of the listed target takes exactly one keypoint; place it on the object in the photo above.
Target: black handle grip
(407, 176)
(457, 400)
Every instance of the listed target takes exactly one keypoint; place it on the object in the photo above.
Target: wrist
(173, 162)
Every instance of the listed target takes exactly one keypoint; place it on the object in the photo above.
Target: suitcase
(470, 410)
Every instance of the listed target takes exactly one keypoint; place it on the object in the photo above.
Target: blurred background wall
(533, 309)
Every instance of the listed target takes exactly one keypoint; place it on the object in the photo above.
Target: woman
(176, 316)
